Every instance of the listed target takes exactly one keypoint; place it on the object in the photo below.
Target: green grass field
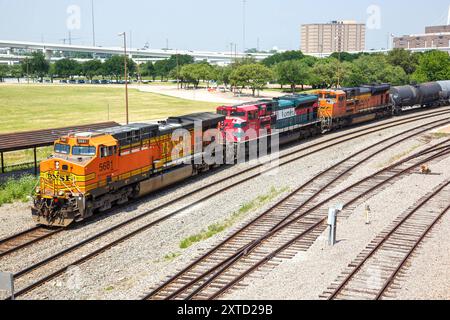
(32, 107)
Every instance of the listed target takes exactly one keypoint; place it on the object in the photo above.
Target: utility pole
(244, 4)
(28, 70)
(131, 39)
(178, 70)
(126, 73)
(93, 23)
(231, 51)
(448, 18)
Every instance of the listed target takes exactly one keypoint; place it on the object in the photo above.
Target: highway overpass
(10, 55)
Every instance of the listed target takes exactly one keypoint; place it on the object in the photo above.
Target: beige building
(434, 37)
(337, 36)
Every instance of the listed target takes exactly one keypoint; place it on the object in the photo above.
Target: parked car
(105, 81)
(95, 82)
(72, 81)
(62, 81)
(81, 81)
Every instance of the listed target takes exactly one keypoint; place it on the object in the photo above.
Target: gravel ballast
(133, 268)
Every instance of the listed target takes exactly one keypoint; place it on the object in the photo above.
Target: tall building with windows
(336, 36)
(434, 37)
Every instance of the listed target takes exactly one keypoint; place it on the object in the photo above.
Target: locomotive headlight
(61, 193)
(57, 165)
(38, 190)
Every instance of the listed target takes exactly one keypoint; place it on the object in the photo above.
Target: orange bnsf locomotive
(93, 171)
(347, 106)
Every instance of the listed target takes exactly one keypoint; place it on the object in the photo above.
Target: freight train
(94, 171)
(424, 95)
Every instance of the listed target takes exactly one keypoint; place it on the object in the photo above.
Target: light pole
(93, 23)
(126, 71)
(338, 40)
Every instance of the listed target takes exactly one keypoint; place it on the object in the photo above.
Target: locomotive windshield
(83, 151)
(62, 148)
(238, 114)
(222, 112)
(240, 125)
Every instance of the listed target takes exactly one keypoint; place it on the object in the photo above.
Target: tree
(243, 61)
(161, 69)
(37, 65)
(194, 73)
(375, 69)
(4, 71)
(115, 67)
(52, 72)
(292, 73)
(433, 66)
(223, 75)
(178, 60)
(254, 76)
(324, 73)
(345, 56)
(405, 59)
(148, 70)
(67, 68)
(280, 57)
(92, 68)
(17, 72)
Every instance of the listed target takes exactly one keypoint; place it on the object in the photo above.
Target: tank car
(429, 94)
(445, 91)
(404, 96)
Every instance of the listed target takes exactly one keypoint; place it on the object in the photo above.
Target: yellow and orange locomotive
(92, 171)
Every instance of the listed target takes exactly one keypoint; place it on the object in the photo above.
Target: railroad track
(375, 271)
(322, 146)
(27, 271)
(310, 150)
(25, 239)
(281, 232)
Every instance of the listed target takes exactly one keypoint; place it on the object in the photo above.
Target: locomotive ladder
(327, 123)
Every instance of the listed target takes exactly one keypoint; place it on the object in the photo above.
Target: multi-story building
(337, 36)
(434, 37)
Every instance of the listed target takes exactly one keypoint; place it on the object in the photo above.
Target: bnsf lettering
(57, 177)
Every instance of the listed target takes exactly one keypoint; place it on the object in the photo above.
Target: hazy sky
(210, 24)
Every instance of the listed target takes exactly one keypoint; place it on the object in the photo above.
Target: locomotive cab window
(107, 151)
(62, 148)
(83, 151)
(240, 125)
(238, 114)
(223, 112)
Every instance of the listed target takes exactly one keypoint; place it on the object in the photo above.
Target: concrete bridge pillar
(47, 53)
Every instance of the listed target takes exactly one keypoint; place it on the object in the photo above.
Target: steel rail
(189, 194)
(279, 225)
(319, 223)
(64, 252)
(356, 269)
(247, 248)
(383, 127)
(16, 242)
